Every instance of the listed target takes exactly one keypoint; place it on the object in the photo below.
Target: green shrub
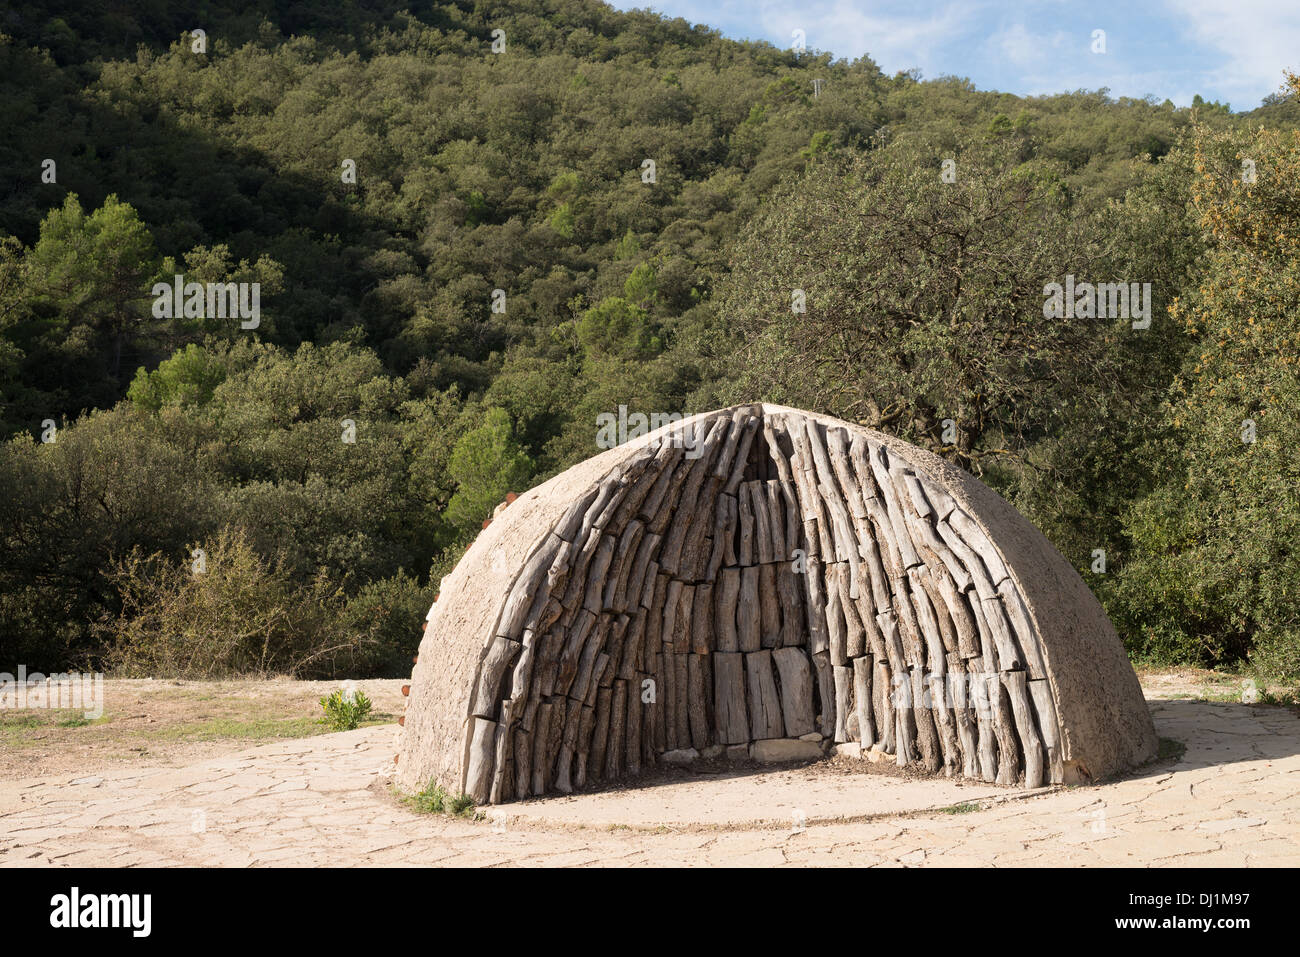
(345, 710)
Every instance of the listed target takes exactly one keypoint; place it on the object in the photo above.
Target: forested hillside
(463, 252)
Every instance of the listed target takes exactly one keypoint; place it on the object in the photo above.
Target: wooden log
(977, 685)
(730, 555)
(859, 459)
(785, 478)
(812, 509)
(928, 625)
(882, 465)
(942, 503)
(883, 534)
(916, 497)
(555, 738)
(944, 722)
(571, 655)
(658, 710)
(594, 647)
(882, 699)
(776, 520)
(586, 728)
(730, 713)
(702, 620)
(661, 458)
(614, 513)
(969, 531)
(745, 543)
(1026, 635)
(1040, 693)
(568, 747)
(756, 494)
(819, 638)
(699, 541)
(963, 716)
(870, 552)
(862, 700)
(1031, 745)
(988, 651)
(908, 627)
(923, 579)
(724, 533)
(824, 670)
(520, 683)
(523, 764)
(796, 691)
(652, 581)
(571, 521)
(621, 570)
(968, 563)
(1004, 729)
(905, 749)
(502, 776)
(671, 609)
(820, 463)
(541, 737)
(652, 510)
(927, 737)
(632, 724)
(683, 627)
(894, 653)
(672, 740)
(790, 599)
(629, 662)
(875, 645)
(764, 704)
(696, 666)
(843, 702)
(687, 511)
(732, 437)
(614, 748)
(748, 611)
(724, 616)
(837, 452)
(489, 689)
(855, 633)
(742, 454)
(842, 535)
(600, 738)
(681, 704)
(527, 584)
(995, 616)
(959, 614)
(597, 572)
(836, 629)
(769, 607)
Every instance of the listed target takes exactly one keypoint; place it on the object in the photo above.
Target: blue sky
(1233, 51)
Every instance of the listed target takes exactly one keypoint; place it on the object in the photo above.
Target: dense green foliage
(446, 327)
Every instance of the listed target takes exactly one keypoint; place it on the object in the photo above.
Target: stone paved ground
(1232, 799)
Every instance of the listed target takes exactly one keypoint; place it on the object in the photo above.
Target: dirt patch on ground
(164, 723)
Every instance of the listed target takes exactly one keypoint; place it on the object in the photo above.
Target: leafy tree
(486, 463)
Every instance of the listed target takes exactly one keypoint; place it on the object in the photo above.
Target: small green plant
(461, 806)
(967, 808)
(1287, 697)
(434, 799)
(344, 711)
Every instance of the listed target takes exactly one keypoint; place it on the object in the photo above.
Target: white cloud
(1256, 39)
